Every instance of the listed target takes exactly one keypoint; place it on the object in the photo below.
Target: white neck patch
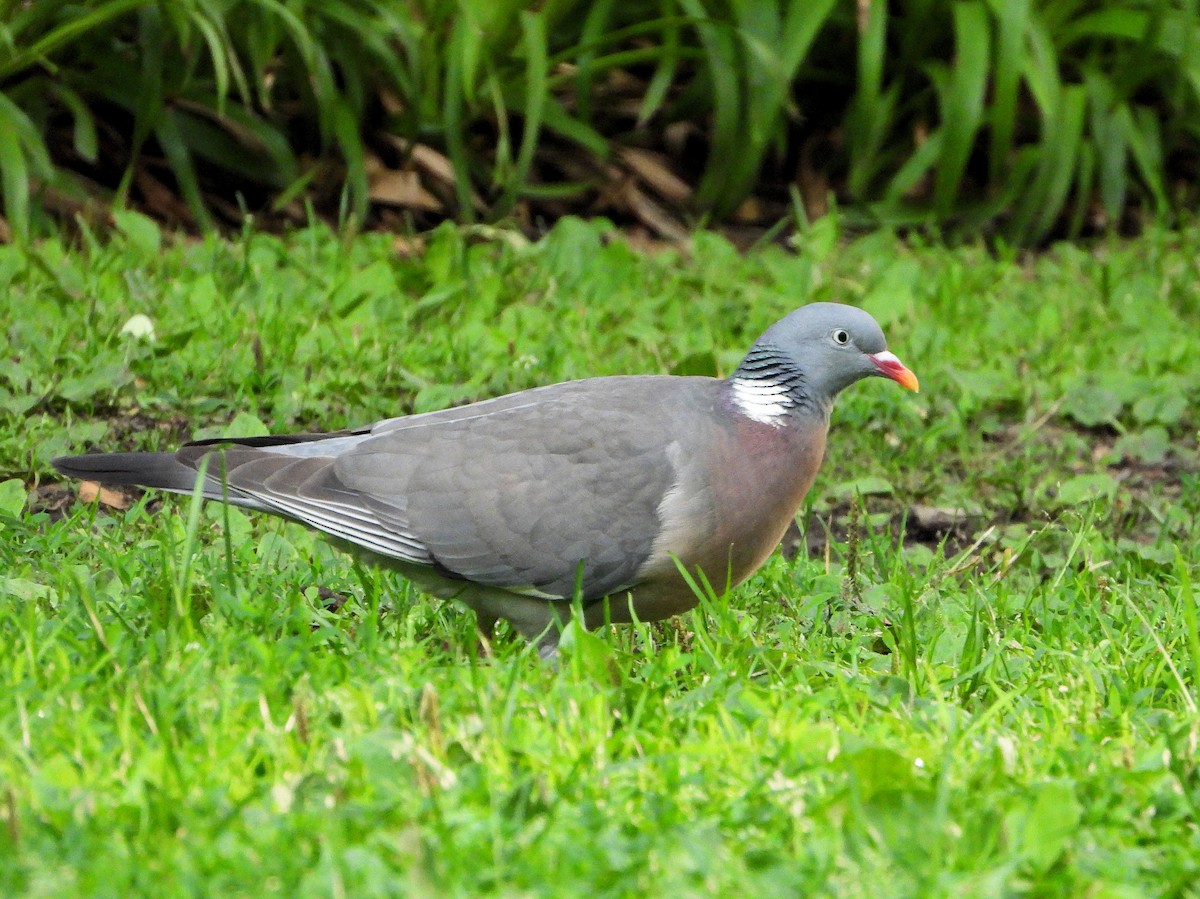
(761, 399)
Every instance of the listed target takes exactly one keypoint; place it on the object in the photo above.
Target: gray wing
(526, 493)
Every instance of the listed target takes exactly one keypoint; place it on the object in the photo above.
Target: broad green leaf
(141, 232)
(12, 497)
(246, 425)
(879, 769)
(586, 651)
(871, 485)
(1150, 446)
(24, 589)
(1090, 405)
(1050, 824)
(1087, 488)
(1166, 406)
(373, 282)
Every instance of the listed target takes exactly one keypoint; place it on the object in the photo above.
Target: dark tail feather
(159, 470)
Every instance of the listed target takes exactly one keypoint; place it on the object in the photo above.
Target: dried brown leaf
(160, 200)
(652, 169)
(90, 491)
(812, 181)
(408, 247)
(654, 216)
(749, 210)
(430, 163)
(863, 15)
(399, 188)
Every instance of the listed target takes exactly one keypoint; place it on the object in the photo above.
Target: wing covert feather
(519, 496)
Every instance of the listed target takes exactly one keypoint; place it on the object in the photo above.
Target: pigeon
(598, 494)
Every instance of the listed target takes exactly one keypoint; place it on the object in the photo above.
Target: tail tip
(62, 464)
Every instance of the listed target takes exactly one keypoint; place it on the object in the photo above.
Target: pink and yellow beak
(891, 367)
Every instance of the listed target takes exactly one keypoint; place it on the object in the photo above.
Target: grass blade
(14, 171)
(870, 111)
(1012, 24)
(533, 28)
(179, 156)
(962, 111)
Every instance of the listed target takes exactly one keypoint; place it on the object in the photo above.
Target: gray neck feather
(769, 387)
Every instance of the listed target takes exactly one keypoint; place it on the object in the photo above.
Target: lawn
(974, 673)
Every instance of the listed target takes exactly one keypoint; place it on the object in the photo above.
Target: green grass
(1030, 120)
(1011, 714)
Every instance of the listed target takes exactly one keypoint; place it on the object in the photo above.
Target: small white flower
(282, 795)
(139, 327)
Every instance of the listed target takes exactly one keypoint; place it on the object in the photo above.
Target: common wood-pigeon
(597, 489)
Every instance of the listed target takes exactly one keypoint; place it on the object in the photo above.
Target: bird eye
(840, 337)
